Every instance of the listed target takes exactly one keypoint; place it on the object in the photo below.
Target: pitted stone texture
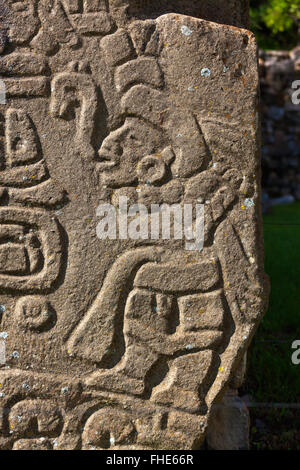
(124, 344)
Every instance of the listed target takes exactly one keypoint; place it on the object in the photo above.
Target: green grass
(272, 377)
(282, 263)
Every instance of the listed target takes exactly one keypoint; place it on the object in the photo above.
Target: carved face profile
(122, 152)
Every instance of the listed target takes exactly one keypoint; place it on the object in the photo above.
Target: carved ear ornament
(153, 168)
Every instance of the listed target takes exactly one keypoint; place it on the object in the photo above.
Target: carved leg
(129, 375)
(187, 382)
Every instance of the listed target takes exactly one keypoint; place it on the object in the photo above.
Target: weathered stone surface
(124, 343)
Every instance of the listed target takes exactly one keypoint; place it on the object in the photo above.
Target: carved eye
(118, 149)
(151, 169)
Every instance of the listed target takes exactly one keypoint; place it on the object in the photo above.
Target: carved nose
(109, 154)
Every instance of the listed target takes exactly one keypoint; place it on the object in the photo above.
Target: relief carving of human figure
(176, 309)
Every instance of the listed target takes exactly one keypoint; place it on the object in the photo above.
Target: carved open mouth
(106, 160)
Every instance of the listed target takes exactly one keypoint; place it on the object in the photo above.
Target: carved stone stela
(123, 344)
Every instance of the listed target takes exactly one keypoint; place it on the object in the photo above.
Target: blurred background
(272, 389)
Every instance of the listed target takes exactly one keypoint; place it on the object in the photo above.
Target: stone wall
(231, 12)
(280, 126)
